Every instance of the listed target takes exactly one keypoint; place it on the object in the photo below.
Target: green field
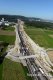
(41, 36)
(9, 28)
(10, 70)
(1, 68)
(14, 71)
(8, 39)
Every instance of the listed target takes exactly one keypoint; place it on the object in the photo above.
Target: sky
(30, 8)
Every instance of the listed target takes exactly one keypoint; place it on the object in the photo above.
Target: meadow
(7, 38)
(43, 37)
(14, 71)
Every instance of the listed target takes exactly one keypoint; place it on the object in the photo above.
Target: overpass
(27, 57)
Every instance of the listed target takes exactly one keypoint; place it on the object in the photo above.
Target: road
(31, 65)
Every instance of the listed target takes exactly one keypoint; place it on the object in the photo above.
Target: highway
(31, 65)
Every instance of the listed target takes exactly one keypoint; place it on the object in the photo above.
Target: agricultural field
(43, 37)
(1, 68)
(7, 38)
(7, 35)
(14, 71)
(8, 28)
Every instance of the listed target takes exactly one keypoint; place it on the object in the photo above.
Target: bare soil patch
(51, 36)
(50, 54)
(2, 32)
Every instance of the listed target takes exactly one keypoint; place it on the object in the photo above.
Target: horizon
(26, 16)
(28, 8)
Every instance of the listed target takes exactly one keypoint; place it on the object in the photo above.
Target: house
(4, 23)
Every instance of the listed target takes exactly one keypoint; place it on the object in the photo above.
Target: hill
(29, 21)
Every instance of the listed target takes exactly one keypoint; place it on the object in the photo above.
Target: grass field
(14, 71)
(10, 28)
(7, 39)
(41, 36)
(7, 35)
(1, 68)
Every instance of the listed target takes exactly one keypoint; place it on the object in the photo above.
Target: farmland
(41, 36)
(14, 71)
(6, 37)
(9, 28)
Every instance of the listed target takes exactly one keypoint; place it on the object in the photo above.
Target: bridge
(29, 56)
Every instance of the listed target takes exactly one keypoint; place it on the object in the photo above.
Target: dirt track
(51, 36)
(2, 32)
